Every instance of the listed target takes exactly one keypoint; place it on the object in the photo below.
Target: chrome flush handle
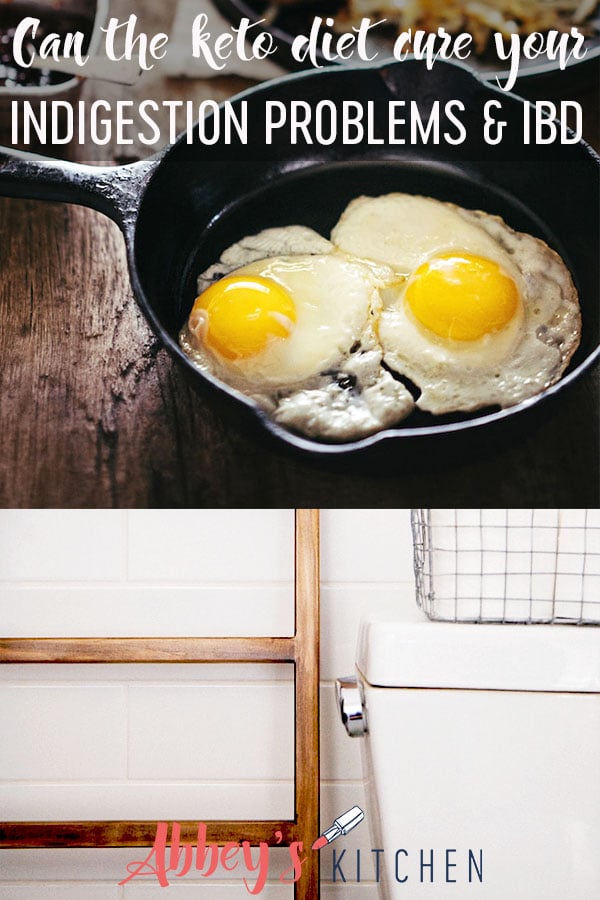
(351, 705)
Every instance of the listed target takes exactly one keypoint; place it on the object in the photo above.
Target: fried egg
(413, 302)
(477, 314)
(295, 332)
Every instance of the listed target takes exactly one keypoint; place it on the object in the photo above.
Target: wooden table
(94, 413)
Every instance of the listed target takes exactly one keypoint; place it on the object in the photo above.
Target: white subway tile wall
(177, 741)
(146, 572)
(51, 731)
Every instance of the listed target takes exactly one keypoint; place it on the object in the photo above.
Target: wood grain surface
(94, 413)
(137, 833)
(147, 650)
(307, 680)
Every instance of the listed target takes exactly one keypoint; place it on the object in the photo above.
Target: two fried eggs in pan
(412, 303)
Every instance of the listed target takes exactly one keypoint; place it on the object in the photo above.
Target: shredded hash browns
(479, 17)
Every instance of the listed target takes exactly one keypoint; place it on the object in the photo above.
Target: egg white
(403, 230)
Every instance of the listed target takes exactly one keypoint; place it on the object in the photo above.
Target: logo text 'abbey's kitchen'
(177, 859)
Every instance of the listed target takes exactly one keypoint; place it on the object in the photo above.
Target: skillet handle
(115, 191)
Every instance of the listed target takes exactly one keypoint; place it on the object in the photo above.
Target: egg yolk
(462, 297)
(241, 313)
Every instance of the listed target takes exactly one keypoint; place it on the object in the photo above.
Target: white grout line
(126, 543)
(65, 584)
(156, 683)
(119, 782)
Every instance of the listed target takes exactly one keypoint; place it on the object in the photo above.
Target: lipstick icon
(342, 825)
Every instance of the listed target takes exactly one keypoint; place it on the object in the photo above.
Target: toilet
(481, 757)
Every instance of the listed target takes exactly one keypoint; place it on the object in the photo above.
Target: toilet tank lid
(419, 653)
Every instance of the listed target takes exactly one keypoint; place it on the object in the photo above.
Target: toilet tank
(482, 759)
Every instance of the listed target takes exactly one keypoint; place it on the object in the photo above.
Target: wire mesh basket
(508, 565)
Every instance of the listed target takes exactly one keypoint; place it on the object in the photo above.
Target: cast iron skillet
(181, 209)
